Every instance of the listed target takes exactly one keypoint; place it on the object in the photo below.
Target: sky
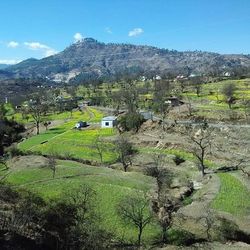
(40, 28)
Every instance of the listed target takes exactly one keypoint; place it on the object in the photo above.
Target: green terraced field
(78, 143)
(233, 197)
(111, 186)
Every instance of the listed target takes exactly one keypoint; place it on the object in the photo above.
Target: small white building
(108, 122)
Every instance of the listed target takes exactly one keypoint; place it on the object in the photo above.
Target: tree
(157, 170)
(201, 143)
(130, 96)
(125, 150)
(165, 210)
(208, 221)
(99, 146)
(228, 91)
(73, 222)
(131, 121)
(37, 107)
(9, 133)
(196, 82)
(162, 205)
(160, 103)
(135, 210)
(52, 165)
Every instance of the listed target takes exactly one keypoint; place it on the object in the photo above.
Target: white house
(108, 122)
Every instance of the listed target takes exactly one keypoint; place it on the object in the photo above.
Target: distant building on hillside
(109, 122)
(80, 124)
(174, 101)
(227, 74)
(147, 115)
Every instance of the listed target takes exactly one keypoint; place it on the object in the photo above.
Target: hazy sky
(39, 28)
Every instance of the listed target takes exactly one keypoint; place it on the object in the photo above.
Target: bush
(178, 160)
(181, 238)
(14, 151)
(7, 194)
(228, 229)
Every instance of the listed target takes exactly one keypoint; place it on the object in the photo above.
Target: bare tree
(52, 161)
(201, 143)
(157, 170)
(99, 146)
(135, 210)
(208, 221)
(197, 82)
(125, 150)
(36, 108)
(160, 103)
(130, 96)
(166, 208)
(228, 91)
(162, 204)
(83, 198)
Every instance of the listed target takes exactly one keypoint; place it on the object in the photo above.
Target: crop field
(233, 197)
(110, 186)
(211, 96)
(89, 114)
(76, 143)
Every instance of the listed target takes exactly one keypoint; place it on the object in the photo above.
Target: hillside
(3, 66)
(90, 59)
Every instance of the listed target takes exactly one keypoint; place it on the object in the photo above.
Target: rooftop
(109, 118)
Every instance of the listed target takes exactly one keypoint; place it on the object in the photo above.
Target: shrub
(182, 238)
(228, 229)
(14, 151)
(178, 160)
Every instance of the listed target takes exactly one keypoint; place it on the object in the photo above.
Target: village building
(81, 124)
(174, 101)
(147, 115)
(108, 122)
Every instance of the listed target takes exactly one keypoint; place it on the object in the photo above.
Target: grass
(77, 143)
(90, 114)
(233, 197)
(212, 99)
(110, 185)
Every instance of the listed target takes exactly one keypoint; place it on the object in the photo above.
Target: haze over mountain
(89, 58)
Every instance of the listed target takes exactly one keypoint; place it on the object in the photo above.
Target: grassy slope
(78, 143)
(90, 114)
(110, 185)
(233, 197)
(212, 99)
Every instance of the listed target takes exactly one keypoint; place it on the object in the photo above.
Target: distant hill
(3, 66)
(91, 59)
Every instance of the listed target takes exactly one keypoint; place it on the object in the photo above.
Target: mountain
(3, 66)
(89, 59)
